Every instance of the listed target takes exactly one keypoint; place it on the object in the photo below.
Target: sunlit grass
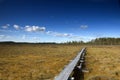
(103, 63)
(44, 62)
(34, 61)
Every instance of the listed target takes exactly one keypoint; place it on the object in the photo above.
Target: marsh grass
(44, 62)
(103, 63)
(34, 61)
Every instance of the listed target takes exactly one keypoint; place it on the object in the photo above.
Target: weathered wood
(65, 74)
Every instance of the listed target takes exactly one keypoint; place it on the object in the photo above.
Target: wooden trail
(73, 71)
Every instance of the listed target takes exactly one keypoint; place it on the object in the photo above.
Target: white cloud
(76, 37)
(24, 36)
(2, 36)
(84, 26)
(16, 27)
(34, 29)
(6, 26)
(36, 38)
(63, 34)
(59, 34)
(66, 35)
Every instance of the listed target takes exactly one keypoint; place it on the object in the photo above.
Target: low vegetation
(34, 61)
(45, 61)
(103, 63)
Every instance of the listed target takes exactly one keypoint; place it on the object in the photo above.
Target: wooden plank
(64, 75)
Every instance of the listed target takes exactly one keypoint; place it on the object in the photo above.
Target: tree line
(98, 41)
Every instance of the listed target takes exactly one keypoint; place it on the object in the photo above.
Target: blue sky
(58, 20)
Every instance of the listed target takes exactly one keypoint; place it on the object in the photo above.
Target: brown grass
(44, 62)
(34, 61)
(103, 63)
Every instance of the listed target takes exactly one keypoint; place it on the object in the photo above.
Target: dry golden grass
(103, 63)
(34, 61)
(44, 62)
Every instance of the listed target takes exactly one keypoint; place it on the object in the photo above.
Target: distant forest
(97, 41)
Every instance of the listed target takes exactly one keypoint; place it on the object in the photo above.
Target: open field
(44, 62)
(103, 63)
(34, 61)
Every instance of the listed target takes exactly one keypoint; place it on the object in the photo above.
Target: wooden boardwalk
(69, 71)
